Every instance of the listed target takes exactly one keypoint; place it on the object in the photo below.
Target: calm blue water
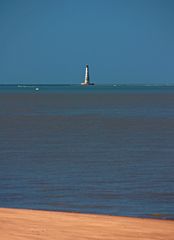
(98, 149)
(76, 88)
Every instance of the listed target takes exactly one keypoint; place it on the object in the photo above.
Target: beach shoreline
(18, 224)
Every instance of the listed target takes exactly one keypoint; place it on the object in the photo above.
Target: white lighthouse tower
(87, 81)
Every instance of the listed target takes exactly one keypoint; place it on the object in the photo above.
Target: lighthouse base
(87, 84)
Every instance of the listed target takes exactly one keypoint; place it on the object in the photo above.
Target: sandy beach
(18, 224)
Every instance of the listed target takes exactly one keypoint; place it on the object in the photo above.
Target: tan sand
(34, 225)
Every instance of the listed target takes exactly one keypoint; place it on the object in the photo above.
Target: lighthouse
(87, 80)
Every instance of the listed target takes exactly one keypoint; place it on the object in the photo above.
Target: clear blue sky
(50, 41)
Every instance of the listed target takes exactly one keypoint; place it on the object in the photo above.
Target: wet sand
(18, 224)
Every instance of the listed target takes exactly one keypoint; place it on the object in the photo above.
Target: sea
(102, 149)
